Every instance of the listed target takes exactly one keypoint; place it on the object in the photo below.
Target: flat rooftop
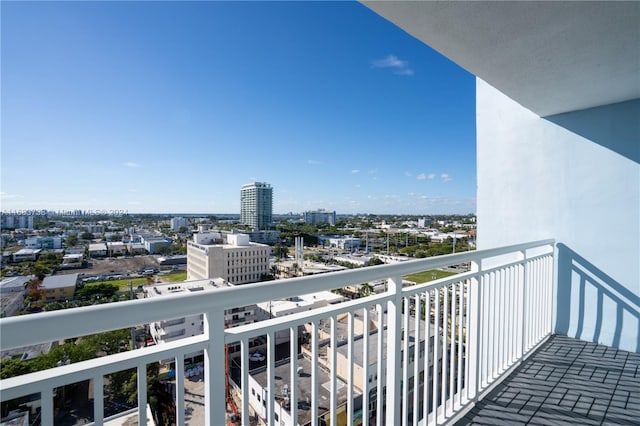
(282, 375)
(566, 381)
(186, 286)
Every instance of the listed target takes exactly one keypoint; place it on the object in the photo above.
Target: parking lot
(117, 265)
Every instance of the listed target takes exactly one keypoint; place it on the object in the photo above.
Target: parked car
(256, 356)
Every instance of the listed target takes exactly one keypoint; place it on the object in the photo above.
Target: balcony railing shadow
(573, 321)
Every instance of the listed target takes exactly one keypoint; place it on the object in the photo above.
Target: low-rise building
(178, 328)
(59, 287)
(341, 243)
(258, 389)
(98, 249)
(70, 261)
(26, 254)
(153, 244)
(354, 259)
(17, 284)
(11, 304)
(136, 248)
(116, 248)
(43, 242)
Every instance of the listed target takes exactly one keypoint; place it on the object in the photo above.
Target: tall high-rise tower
(256, 205)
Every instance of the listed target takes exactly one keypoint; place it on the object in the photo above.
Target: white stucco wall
(578, 182)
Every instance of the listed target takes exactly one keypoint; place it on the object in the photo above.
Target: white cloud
(131, 164)
(421, 176)
(373, 171)
(406, 71)
(7, 196)
(446, 178)
(354, 171)
(390, 61)
(314, 162)
(408, 174)
(399, 66)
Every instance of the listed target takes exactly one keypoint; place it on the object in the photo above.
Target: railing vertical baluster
(380, 373)
(494, 325)
(180, 389)
(512, 314)
(428, 348)
(293, 385)
(270, 396)
(461, 339)
(437, 379)
(406, 337)
(445, 358)
(350, 383)
(334, 352)
(416, 359)
(98, 399)
(365, 366)
(244, 380)
(314, 372)
(550, 266)
(474, 289)
(452, 349)
(46, 407)
(215, 405)
(502, 325)
(394, 331)
(142, 394)
(525, 278)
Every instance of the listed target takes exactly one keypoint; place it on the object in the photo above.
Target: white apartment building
(232, 257)
(178, 222)
(178, 328)
(320, 216)
(12, 221)
(256, 205)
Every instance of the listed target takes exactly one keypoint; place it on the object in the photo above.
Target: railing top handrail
(45, 327)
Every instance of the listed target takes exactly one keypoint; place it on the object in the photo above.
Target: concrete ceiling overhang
(551, 57)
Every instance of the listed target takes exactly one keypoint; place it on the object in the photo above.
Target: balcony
(482, 326)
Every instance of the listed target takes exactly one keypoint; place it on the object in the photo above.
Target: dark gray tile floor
(566, 381)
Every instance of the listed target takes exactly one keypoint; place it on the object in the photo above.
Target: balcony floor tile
(566, 381)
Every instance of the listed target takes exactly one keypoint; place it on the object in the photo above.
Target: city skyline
(171, 107)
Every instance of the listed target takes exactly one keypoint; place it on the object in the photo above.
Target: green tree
(164, 250)
(86, 236)
(71, 240)
(366, 290)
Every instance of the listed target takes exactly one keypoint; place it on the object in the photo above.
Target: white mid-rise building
(178, 222)
(231, 257)
(178, 328)
(320, 216)
(256, 205)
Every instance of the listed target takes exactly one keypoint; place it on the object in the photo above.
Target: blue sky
(171, 107)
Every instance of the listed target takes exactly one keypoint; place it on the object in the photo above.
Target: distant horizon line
(122, 212)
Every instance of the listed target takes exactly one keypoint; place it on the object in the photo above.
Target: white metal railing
(421, 354)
